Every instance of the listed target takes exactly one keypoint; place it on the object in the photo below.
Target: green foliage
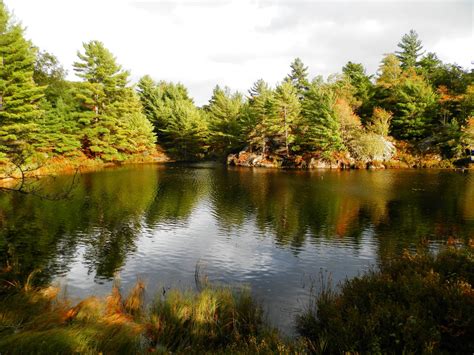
(102, 118)
(413, 99)
(369, 147)
(322, 128)
(380, 122)
(186, 131)
(181, 127)
(110, 118)
(225, 112)
(260, 112)
(298, 77)
(410, 49)
(286, 121)
(389, 72)
(364, 89)
(468, 132)
(19, 95)
(414, 303)
(49, 73)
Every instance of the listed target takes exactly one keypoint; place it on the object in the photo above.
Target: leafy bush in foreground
(416, 303)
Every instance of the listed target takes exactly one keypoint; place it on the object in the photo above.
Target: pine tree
(186, 131)
(321, 126)
(225, 110)
(284, 124)
(181, 127)
(19, 95)
(110, 117)
(413, 100)
(260, 111)
(410, 50)
(298, 77)
(152, 100)
(57, 130)
(364, 89)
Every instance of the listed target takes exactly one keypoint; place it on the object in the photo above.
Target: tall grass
(37, 321)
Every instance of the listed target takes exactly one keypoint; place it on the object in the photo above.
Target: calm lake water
(271, 230)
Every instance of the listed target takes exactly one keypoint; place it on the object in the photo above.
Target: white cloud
(235, 42)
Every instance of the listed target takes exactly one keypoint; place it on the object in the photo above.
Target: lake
(273, 231)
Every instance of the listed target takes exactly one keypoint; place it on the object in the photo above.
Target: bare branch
(27, 182)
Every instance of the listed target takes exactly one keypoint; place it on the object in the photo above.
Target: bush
(416, 303)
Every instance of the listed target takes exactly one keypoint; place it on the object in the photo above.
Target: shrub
(416, 303)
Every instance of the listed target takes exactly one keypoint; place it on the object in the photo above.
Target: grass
(216, 320)
(419, 302)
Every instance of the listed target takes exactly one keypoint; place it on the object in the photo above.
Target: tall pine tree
(411, 49)
(285, 122)
(322, 130)
(19, 95)
(298, 77)
(110, 117)
(260, 111)
(58, 129)
(181, 127)
(225, 110)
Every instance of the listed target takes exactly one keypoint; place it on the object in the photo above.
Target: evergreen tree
(58, 129)
(260, 111)
(410, 49)
(181, 127)
(110, 112)
(187, 131)
(321, 126)
(430, 65)
(50, 73)
(284, 124)
(225, 112)
(298, 77)
(364, 89)
(413, 100)
(19, 95)
(152, 101)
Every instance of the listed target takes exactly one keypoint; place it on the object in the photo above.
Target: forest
(414, 106)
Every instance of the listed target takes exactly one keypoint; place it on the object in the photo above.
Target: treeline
(41, 113)
(414, 98)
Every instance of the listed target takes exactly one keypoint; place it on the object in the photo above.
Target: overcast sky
(235, 42)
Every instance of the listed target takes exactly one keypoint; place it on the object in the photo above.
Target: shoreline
(67, 166)
(316, 162)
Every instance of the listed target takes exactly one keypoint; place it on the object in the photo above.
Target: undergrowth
(419, 302)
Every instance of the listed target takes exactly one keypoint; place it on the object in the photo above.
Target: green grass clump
(210, 319)
(35, 320)
(418, 302)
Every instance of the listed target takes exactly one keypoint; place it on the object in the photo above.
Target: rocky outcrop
(307, 161)
(252, 160)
